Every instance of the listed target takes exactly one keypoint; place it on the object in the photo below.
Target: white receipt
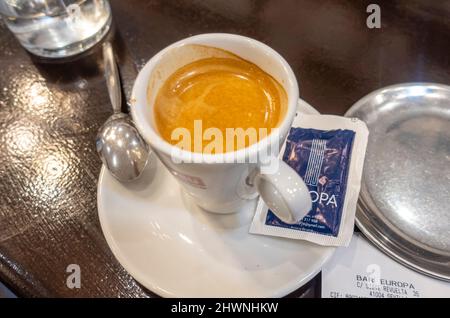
(361, 270)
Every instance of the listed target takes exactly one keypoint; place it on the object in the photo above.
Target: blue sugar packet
(322, 159)
(328, 153)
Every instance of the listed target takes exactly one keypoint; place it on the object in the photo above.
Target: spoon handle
(112, 77)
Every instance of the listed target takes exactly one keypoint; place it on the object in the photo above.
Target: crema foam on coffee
(224, 98)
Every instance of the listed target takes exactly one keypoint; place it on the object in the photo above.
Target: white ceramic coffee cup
(223, 183)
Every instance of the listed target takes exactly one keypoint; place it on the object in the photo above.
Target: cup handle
(284, 192)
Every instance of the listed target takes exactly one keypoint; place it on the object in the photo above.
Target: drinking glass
(57, 28)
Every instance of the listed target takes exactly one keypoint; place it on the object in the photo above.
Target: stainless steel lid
(404, 204)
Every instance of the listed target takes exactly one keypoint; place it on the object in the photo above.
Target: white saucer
(175, 249)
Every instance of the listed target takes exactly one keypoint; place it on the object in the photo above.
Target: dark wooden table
(49, 113)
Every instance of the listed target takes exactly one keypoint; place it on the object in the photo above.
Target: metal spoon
(119, 144)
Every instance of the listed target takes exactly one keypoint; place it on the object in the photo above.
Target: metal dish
(404, 204)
